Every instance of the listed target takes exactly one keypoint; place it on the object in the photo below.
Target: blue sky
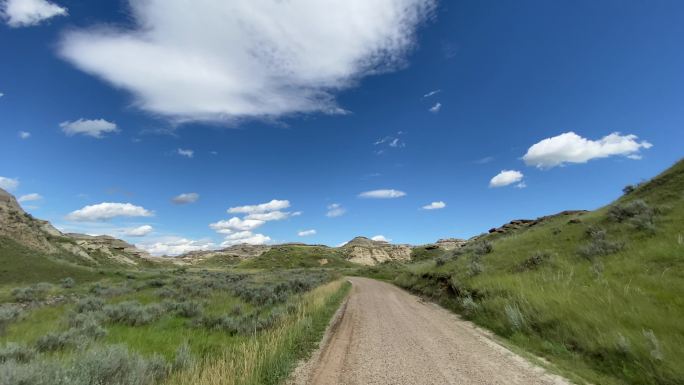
(315, 104)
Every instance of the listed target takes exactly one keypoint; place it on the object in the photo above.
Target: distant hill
(27, 243)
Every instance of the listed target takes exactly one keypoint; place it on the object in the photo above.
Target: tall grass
(268, 357)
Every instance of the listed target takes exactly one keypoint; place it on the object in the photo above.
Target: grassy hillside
(600, 294)
(19, 264)
(297, 256)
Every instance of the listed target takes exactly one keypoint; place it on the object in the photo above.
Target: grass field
(165, 326)
(600, 295)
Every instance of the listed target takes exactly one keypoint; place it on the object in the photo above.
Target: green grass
(611, 319)
(295, 256)
(251, 308)
(19, 264)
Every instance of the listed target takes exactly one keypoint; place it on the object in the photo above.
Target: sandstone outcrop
(365, 251)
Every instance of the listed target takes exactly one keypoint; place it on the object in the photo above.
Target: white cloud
(175, 246)
(435, 109)
(272, 216)
(186, 153)
(335, 210)
(435, 206)
(306, 233)
(227, 60)
(380, 238)
(389, 141)
(432, 93)
(24, 134)
(185, 198)
(236, 224)
(8, 184)
(108, 210)
(382, 194)
(572, 148)
(273, 205)
(485, 160)
(30, 197)
(95, 128)
(139, 231)
(505, 178)
(245, 237)
(24, 13)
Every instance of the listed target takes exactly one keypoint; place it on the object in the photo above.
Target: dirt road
(385, 336)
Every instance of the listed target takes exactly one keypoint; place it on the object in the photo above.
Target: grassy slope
(295, 256)
(19, 264)
(613, 319)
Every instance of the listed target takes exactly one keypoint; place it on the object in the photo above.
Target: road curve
(386, 336)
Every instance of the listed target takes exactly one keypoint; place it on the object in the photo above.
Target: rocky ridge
(39, 235)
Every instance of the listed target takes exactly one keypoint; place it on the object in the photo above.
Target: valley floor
(385, 335)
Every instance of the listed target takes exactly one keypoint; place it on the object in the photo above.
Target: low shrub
(84, 328)
(32, 293)
(475, 267)
(132, 313)
(16, 352)
(482, 247)
(534, 261)
(110, 365)
(89, 304)
(598, 244)
(8, 314)
(67, 283)
(187, 309)
(624, 211)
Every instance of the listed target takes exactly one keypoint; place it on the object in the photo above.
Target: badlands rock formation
(41, 236)
(366, 251)
(243, 251)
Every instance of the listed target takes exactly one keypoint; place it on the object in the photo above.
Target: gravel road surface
(385, 336)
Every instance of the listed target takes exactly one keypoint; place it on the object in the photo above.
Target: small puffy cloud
(24, 13)
(248, 59)
(505, 178)
(245, 237)
(175, 246)
(432, 93)
(380, 238)
(572, 148)
(435, 109)
(273, 205)
(139, 231)
(95, 128)
(435, 206)
(8, 184)
(306, 233)
(30, 197)
(108, 210)
(335, 210)
(185, 198)
(24, 134)
(236, 224)
(382, 194)
(186, 153)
